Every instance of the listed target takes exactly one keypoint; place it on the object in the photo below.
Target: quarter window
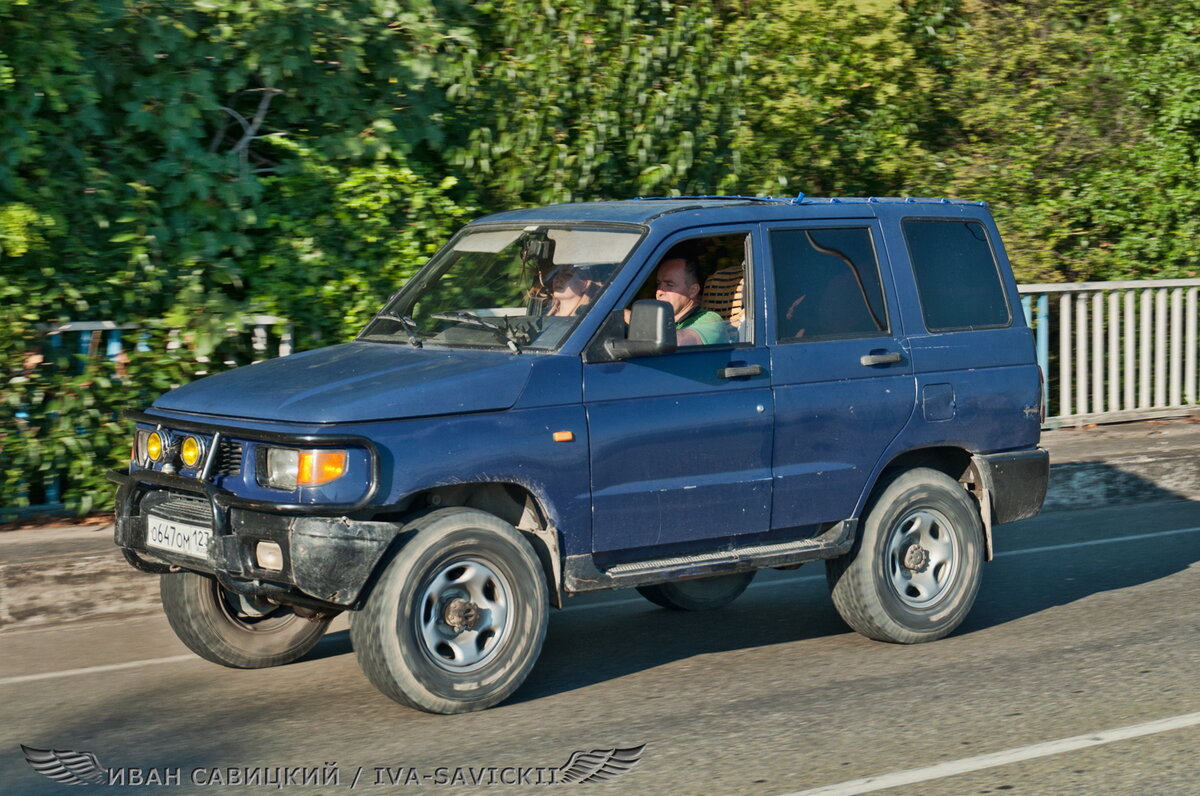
(957, 277)
(826, 284)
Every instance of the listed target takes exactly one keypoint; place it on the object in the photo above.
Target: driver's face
(674, 287)
(567, 282)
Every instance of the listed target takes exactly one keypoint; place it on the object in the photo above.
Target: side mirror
(651, 332)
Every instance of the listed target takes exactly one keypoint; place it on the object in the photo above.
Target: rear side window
(826, 284)
(957, 276)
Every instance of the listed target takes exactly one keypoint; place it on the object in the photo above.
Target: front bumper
(327, 560)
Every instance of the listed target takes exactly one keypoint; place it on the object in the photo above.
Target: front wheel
(458, 616)
(915, 568)
(232, 629)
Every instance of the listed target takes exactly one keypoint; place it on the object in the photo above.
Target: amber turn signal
(287, 468)
(320, 467)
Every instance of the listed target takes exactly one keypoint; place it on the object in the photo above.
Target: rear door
(973, 354)
(840, 367)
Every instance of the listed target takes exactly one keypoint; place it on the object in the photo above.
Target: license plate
(177, 537)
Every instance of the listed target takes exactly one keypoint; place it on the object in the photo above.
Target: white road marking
(83, 623)
(1094, 542)
(602, 604)
(980, 762)
(112, 667)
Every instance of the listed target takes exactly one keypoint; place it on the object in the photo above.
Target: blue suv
(662, 394)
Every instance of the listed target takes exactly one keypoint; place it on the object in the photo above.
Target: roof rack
(802, 199)
(729, 197)
(908, 200)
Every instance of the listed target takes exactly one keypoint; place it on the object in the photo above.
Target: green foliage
(1077, 120)
(342, 240)
(184, 164)
(584, 99)
(59, 416)
(834, 100)
(21, 229)
(1147, 205)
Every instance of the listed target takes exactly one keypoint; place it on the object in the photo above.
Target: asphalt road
(1084, 634)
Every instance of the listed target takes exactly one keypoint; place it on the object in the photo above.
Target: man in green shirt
(678, 284)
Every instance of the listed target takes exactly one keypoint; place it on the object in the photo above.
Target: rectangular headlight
(139, 446)
(288, 468)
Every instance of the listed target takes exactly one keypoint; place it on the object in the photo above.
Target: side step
(580, 573)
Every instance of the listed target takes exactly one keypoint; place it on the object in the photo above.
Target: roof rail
(910, 200)
(712, 196)
(802, 199)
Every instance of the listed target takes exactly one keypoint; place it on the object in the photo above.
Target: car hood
(358, 381)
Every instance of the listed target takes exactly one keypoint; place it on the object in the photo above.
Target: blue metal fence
(91, 339)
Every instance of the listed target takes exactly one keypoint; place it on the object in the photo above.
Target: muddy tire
(457, 618)
(232, 630)
(915, 568)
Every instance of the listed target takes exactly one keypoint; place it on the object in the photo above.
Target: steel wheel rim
(462, 617)
(922, 558)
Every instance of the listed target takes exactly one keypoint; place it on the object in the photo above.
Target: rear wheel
(458, 617)
(915, 567)
(701, 594)
(232, 629)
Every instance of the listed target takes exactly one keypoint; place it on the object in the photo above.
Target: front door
(681, 443)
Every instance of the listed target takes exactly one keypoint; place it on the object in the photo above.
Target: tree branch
(250, 130)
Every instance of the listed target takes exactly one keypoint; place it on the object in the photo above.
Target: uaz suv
(663, 394)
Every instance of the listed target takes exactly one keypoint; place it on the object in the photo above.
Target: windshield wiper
(504, 334)
(406, 323)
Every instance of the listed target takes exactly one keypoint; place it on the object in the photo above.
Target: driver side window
(705, 280)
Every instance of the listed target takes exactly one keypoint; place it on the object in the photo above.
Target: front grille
(229, 458)
(181, 508)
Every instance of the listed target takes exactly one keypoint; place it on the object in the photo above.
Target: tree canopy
(184, 164)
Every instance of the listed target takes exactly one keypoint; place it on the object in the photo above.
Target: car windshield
(519, 289)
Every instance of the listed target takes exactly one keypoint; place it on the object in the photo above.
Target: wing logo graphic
(600, 765)
(69, 768)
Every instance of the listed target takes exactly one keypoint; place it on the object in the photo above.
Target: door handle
(739, 371)
(879, 359)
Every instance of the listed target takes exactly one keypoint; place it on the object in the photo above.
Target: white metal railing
(1114, 351)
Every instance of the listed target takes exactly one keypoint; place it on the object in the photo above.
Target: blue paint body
(665, 456)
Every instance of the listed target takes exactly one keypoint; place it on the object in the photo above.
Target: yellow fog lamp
(192, 451)
(155, 446)
(287, 468)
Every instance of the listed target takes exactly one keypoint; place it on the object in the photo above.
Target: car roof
(735, 208)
